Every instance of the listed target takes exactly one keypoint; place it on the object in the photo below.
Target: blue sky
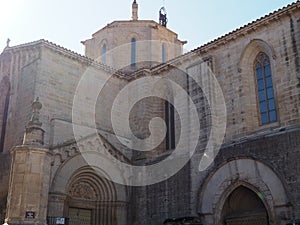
(67, 22)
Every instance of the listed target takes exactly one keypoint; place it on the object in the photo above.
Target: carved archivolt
(82, 190)
(86, 184)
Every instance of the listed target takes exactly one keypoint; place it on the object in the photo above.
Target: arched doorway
(264, 187)
(91, 199)
(84, 194)
(244, 207)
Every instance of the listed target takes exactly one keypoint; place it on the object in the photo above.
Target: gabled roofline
(67, 53)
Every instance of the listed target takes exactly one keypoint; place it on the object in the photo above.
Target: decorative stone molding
(82, 191)
(246, 172)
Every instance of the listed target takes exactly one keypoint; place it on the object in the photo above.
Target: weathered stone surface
(262, 158)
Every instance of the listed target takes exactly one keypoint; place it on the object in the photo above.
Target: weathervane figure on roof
(163, 17)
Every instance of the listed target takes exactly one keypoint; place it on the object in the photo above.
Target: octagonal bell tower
(133, 44)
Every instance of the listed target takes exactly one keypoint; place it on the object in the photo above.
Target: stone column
(29, 176)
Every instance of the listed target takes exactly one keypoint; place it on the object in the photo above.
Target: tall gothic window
(104, 49)
(170, 123)
(265, 89)
(133, 52)
(163, 53)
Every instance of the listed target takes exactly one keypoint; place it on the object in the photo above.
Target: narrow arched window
(133, 52)
(265, 90)
(163, 53)
(104, 49)
(170, 124)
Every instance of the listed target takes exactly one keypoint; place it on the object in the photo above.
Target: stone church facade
(60, 127)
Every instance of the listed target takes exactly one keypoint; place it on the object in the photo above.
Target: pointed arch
(244, 205)
(255, 175)
(251, 50)
(247, 71)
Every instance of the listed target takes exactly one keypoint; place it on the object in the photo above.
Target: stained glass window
(265, 89)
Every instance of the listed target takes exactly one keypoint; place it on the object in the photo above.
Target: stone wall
(4, 181)
(233, 66)
(154, 204)
(20, 66)
(55, 75)
(60, 73)
(275, 145)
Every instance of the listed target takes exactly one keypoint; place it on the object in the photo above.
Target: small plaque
(30, 215)
(60, 220)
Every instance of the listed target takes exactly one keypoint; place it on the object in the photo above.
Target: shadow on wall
(4, 180)
(3, 202)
